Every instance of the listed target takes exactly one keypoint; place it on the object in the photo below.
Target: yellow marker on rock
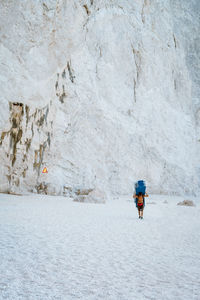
(45, 170)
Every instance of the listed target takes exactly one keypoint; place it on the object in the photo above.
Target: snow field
(53, 248)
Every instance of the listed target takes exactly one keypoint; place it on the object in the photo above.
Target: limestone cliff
(102, 93)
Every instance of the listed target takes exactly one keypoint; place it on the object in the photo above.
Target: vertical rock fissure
(71, 76)
(137, 60)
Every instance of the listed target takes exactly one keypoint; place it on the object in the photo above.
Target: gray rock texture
(101, 93)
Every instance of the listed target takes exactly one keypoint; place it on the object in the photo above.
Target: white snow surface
(54, 248)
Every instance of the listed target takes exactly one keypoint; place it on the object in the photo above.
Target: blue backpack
(140, 187)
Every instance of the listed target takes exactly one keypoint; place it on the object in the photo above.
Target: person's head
(140, 194)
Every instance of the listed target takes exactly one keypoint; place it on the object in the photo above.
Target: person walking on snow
(140, 203)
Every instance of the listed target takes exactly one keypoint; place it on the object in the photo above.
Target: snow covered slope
(102, 93)
(55, 249)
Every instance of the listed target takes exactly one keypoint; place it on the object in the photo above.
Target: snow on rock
(90, 195)
(102, 93)
(186, 203)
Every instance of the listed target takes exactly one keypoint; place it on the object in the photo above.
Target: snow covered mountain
(101, 93)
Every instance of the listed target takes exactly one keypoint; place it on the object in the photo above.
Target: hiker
(140, 203)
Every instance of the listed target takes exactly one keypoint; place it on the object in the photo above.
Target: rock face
(101, 93)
